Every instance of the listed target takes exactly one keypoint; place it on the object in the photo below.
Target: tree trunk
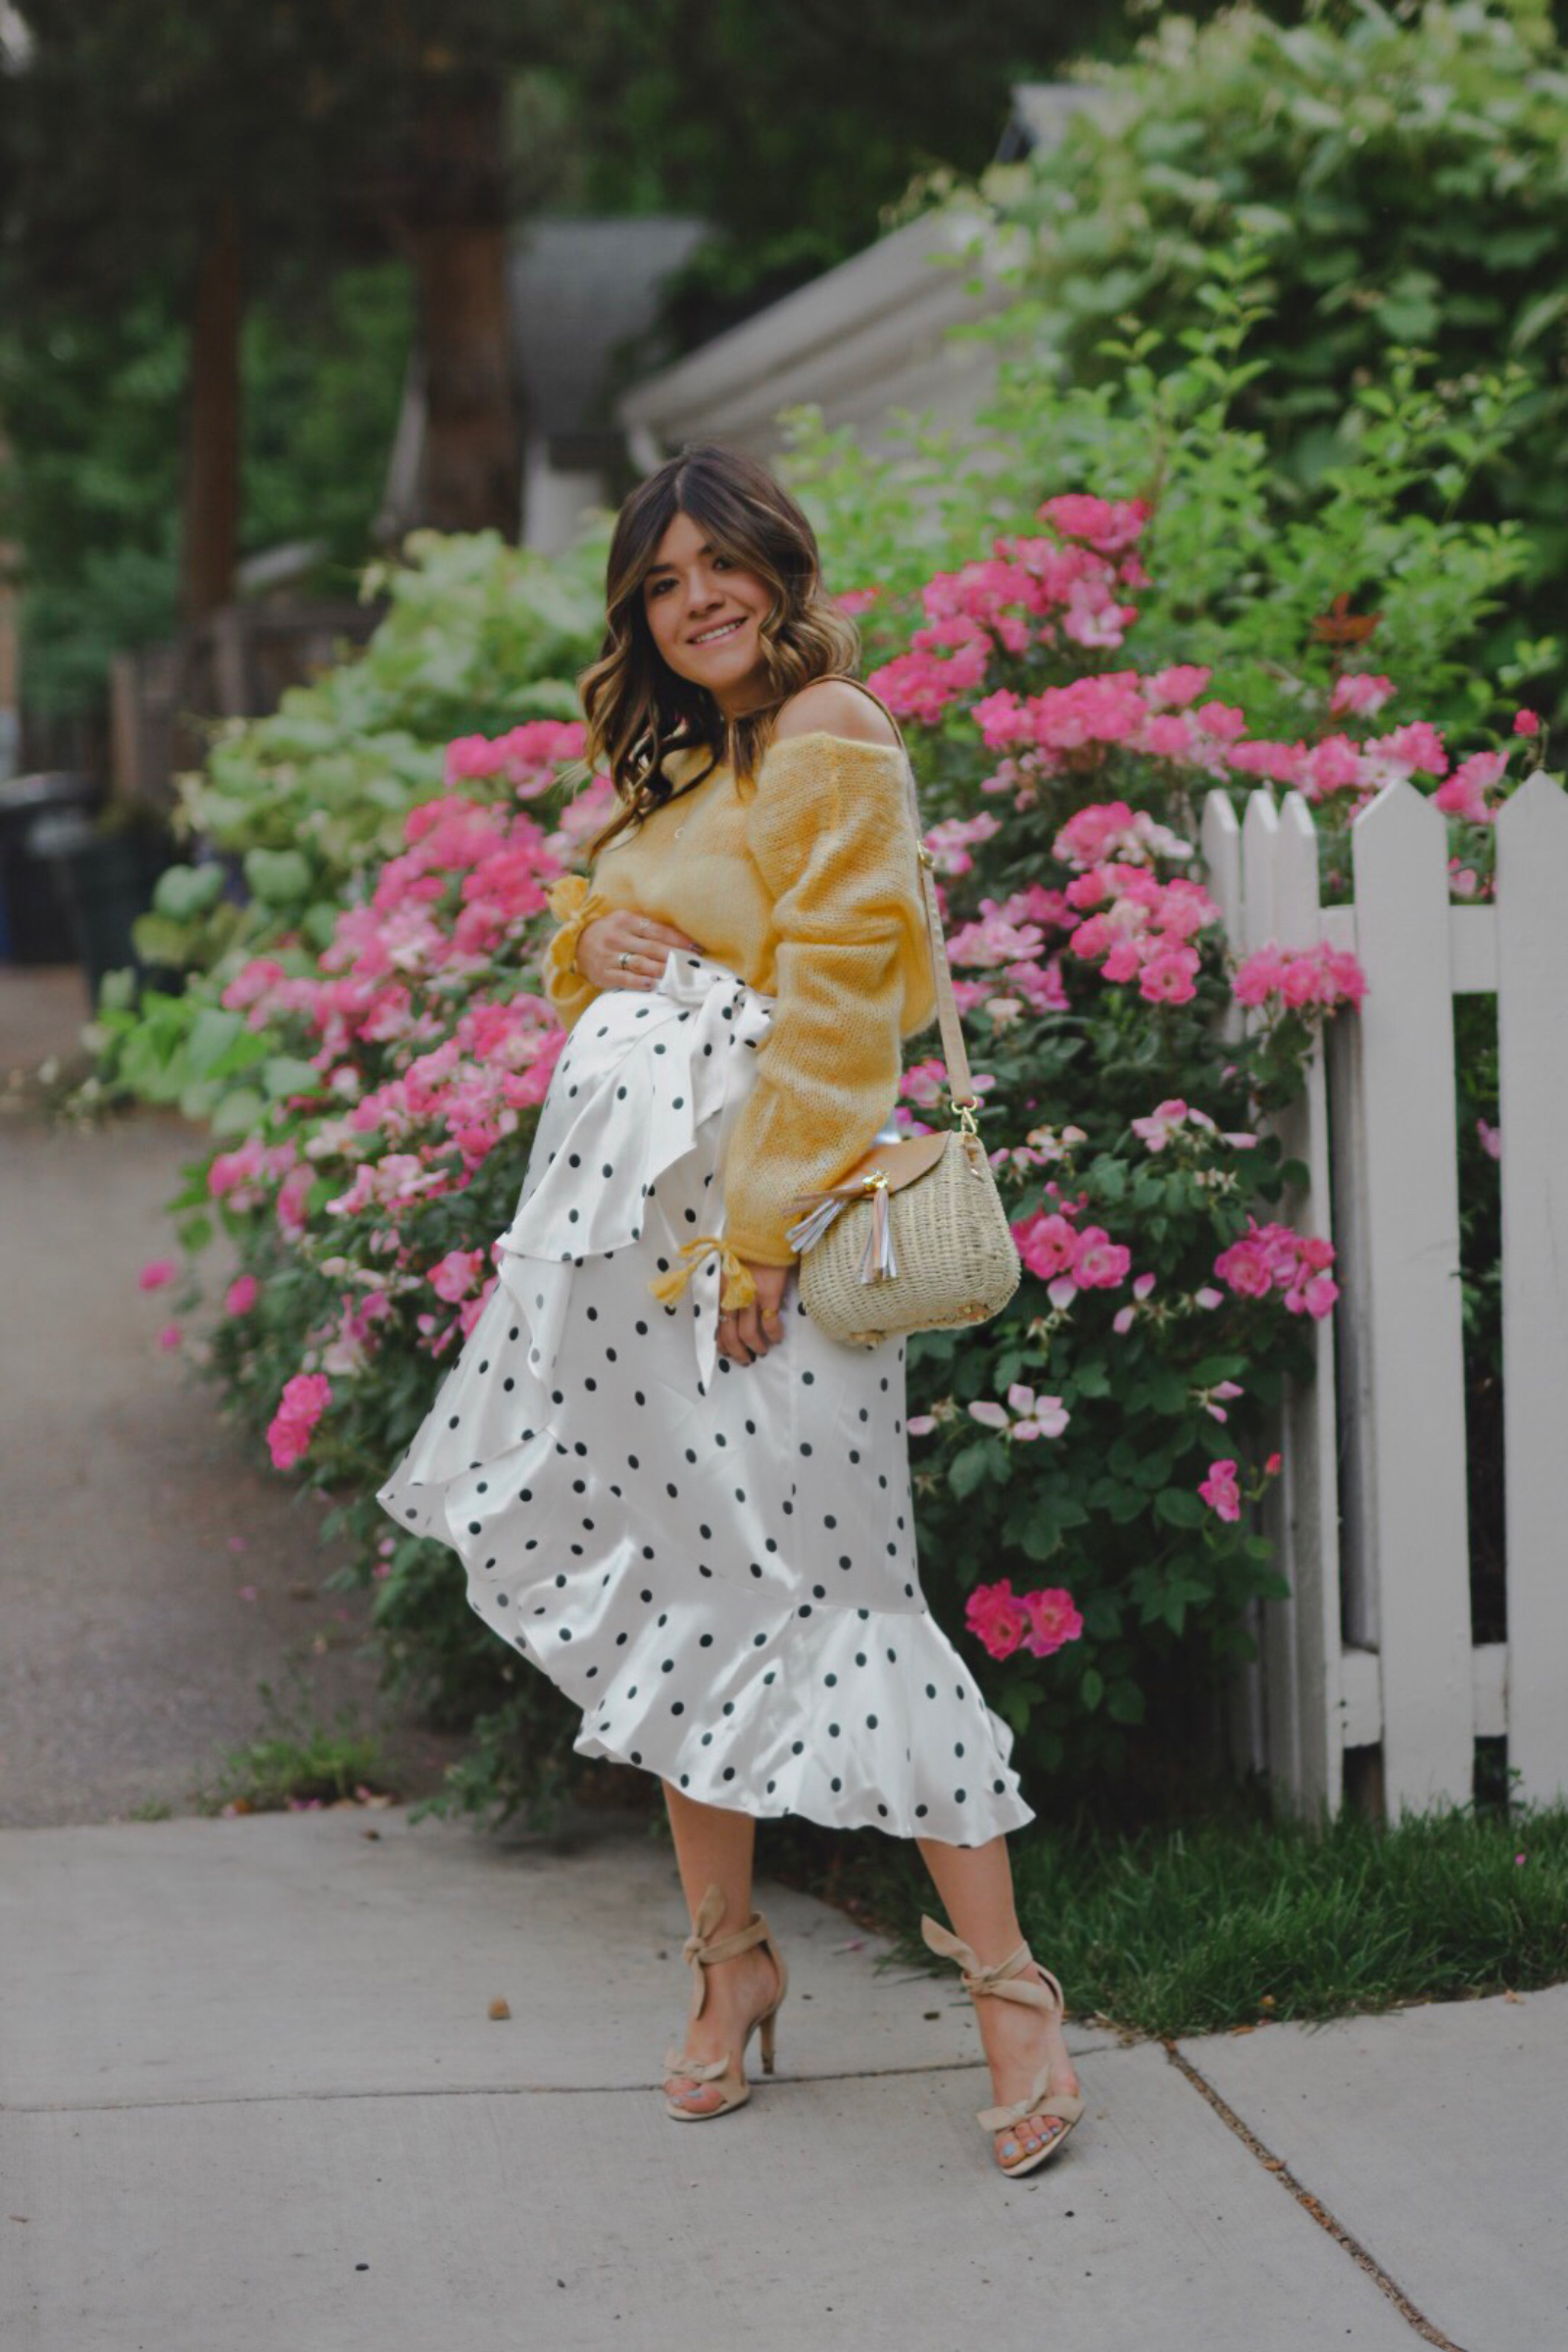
(471, 468)
(210, 523)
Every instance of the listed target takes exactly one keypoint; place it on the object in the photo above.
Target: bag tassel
(739, 1285)
(879, 1260)
(812, 1228)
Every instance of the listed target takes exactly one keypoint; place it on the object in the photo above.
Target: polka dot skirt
(715, 1561)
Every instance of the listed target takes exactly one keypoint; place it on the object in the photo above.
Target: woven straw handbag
(915, 1237)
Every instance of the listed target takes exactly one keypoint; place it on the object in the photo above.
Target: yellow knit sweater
(806, 883)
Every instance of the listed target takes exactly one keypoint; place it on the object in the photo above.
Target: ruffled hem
(809, 1780)
(854, 1718)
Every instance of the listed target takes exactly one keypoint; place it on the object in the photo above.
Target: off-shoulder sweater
(805, 881)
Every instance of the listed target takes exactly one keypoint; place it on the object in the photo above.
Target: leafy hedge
(1406, 173)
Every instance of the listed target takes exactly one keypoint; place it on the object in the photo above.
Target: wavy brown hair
(638, 708)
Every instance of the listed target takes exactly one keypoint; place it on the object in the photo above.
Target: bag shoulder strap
(961, 1086)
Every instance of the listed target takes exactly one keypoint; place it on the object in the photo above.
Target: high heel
(700, 1949)
(1005, 1980)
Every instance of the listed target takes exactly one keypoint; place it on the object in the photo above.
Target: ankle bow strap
(1001, 1977)
(701, 1946)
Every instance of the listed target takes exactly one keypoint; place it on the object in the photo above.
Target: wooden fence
(237, 663)
(1373, 1662)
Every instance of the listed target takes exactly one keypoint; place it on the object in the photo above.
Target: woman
(669, 1491)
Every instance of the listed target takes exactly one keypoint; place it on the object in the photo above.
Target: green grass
(263, 1775)
(1230, 1920)
(300, 1759)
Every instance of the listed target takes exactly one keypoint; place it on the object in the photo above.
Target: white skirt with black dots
(715, 1561)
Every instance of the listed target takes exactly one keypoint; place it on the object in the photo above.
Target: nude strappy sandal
(1006, 1981)
(700, 1952)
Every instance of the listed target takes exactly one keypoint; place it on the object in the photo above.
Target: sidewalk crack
(1426, 2329)
(470, 2090)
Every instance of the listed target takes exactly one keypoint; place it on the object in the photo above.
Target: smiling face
(705, 613)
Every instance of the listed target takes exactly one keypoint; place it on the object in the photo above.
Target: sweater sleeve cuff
(760, 1249)
(576, 904)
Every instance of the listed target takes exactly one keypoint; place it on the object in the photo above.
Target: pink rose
(454, 1276)
(156, 1272)
(1054, 1620)
(997, 1617)
(291, 1199)
(240, 1297)
(304, 1401)
(1101, 1264)
(1039, 1622)
(1220, 1491)
(1047, 1245)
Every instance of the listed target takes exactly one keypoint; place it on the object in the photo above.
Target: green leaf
(286, 1074)
(1124, 1701)
(212, 1033)
(1092, 1687)
(320, 922)
(1110, 1178)
(158, 938)
(185, 893)
(1535, 316)
(967, 1469)
(1178, 1506)
(238, 1113)
(1015, 1704)
(277, 877)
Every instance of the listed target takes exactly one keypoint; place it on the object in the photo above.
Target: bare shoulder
(830, 707)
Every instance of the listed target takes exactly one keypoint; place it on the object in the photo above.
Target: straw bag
(915, 1237)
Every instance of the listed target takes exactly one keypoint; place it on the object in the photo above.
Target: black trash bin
(39, 927)
(106, 881)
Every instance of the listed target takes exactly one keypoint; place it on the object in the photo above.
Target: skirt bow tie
(739, 1284)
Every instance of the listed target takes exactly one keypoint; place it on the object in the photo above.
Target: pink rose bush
(1127, 1060)
(420, 1048)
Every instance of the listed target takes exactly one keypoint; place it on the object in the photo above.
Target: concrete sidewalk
(154, 1573)
(253, 2101)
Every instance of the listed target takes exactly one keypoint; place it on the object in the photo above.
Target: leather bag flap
(912, 1156)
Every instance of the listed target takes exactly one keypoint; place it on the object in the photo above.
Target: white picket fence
(1374, 1650)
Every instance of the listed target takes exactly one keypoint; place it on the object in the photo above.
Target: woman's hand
(640, 939)
(750, 1330)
